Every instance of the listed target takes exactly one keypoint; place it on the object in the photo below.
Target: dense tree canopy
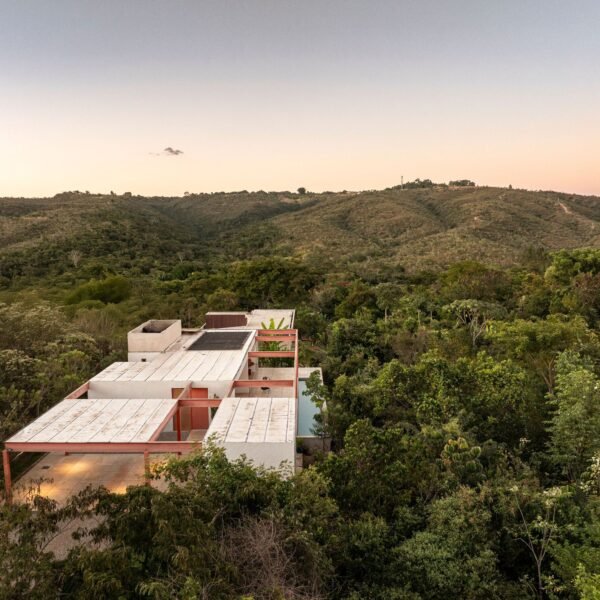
(463, 408)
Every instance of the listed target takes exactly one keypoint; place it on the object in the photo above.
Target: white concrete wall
(275, 373)
(151, 389)
(139, 356)
(138, 341)
(306, 372)
(267, 454)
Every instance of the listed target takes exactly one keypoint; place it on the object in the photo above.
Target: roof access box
(152, 337)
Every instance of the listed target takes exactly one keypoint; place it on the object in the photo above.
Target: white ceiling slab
(103, 420)
(254, 420)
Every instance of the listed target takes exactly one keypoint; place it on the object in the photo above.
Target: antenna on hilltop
(402, 182)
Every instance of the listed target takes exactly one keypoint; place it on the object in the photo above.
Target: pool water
(307, 410)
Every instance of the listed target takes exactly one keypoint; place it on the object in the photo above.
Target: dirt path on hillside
(566, 209)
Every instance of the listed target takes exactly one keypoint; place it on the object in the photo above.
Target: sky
(163, 97)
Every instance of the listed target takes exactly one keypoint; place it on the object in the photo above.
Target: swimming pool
(307, 410)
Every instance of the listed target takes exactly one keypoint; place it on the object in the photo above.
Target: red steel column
(146, 467)
(178, 423)
(7, 479)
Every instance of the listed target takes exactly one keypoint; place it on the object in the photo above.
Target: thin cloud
(172, 151)
(168, 151)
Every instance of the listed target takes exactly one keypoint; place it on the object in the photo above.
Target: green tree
(387, 296)
(220, 529)
(454, 557)
(473, 280)
(566, 264)
(475, 315)
(538, 527)
(271, 282)
(27, 567)
(538, 343)
(110, 290)
(395, 466)
(587, 584)
(576, 421)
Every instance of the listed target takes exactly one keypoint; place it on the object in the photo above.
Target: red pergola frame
(183, 400)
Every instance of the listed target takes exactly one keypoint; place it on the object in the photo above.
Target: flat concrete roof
(98, 420)
(254, 420)
(181, 365)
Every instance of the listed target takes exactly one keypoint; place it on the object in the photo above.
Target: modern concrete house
(235, 381)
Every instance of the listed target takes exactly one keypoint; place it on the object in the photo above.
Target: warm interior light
(73, 468)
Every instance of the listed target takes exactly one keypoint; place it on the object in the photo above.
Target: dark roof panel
(221, 340)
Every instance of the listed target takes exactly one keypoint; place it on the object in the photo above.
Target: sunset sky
(329, 95)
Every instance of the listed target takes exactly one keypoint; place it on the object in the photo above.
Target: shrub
(111, 290)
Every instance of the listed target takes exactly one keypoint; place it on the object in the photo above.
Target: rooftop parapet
(153, 336)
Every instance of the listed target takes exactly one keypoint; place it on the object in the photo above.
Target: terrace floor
(59, 477)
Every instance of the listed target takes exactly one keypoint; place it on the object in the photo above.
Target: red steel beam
(296, 367)
(80, 391)
(266, 383)
(146, 468)
(200, 402)
(277, 332)
(7, 477)
(273, 338)
(104, 447)
(185, 391)
(169, 417)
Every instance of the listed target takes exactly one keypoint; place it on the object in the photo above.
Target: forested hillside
(417, 228)
(431, 227)
(458, 331)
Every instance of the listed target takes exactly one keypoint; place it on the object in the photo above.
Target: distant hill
(429, 228)
(417, 228)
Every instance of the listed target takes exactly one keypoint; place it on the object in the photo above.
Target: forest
(462, 400)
